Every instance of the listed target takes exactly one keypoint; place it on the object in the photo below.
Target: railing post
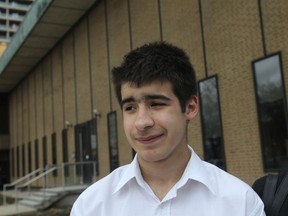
(75, 170)
(46, 177)
(4, 195)
(82, 173)
(16, 197)
(94, 171)
(29, 189)
(45, 181)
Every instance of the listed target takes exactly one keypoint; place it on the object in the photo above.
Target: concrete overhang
(44, 25)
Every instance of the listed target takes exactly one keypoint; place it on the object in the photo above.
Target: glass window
(65, 150)
(272, 111)
(18, 161)
(23, 160)
(113, 140)
(211, 122)
(44, 151)
(54, 152)
(12, 162)
(36, 155)
(4, 167)
(29, 158)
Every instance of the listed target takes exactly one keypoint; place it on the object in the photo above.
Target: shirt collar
(195, 170)
(132, 172)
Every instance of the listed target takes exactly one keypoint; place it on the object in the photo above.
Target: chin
(148, 157)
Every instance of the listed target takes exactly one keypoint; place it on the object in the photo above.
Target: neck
(161, 176)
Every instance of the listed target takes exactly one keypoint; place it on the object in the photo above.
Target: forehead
(129, 89)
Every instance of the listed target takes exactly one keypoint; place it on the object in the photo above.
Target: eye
(128, 108)
(157, 104)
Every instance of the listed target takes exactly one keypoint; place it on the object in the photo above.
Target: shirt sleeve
(256, 204)
(76, 209)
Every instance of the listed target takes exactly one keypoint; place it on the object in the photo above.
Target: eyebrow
(146, 97)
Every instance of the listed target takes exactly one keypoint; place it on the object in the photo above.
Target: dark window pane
(211, 122)
(113, 140)
(23, 160)
(272, 109)
(44, 151)
(29, 158)
(4, 110)
(36, 155)
(12, 162)
(54, 152)
(4, 167)
(65, 150)
(18, 161)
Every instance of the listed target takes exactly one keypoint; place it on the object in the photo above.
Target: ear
(192, 108)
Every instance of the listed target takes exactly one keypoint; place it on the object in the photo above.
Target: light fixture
(96, 113)
(68, 124)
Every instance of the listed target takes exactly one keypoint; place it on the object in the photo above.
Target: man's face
(153, 122)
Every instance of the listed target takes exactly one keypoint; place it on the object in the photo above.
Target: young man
(157, 91)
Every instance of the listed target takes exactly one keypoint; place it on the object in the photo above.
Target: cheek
(176, 124)
(169, 118)
(128, 125)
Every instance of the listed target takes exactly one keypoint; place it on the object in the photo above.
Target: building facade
(64, 109)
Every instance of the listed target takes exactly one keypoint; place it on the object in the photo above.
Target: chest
(180, 203)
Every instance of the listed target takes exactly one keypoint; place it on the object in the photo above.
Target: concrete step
(39, 198)
(45, 193)
(42, 199)
(52, 190)
(31, 203)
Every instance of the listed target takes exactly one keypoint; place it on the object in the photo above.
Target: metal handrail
(17, 182)
(37, 178)
(27, 184)
(54, 168)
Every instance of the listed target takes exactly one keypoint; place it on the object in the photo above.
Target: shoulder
(98, 194)
(104, 187)
(216, 179)
(228, 185)
(223, 178)
(234, 190)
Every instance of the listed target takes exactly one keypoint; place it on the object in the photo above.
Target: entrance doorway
(86, 149)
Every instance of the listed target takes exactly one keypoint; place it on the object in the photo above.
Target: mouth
(149, 139)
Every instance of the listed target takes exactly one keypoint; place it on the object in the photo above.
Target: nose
(144, 119)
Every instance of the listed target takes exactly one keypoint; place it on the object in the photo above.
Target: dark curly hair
(159, 61)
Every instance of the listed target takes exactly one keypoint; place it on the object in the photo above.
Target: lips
(149, 139)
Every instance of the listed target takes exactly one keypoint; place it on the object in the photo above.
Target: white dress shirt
(203, 190)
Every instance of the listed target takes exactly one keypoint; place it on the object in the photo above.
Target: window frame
(223, 156)
(258, 106)
(113, 135)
